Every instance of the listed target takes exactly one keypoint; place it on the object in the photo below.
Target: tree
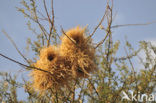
(115, 78)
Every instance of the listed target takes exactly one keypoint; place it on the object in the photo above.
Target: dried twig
(14, 44)
(108, 28)
(102, 19)
(45, 7)
(37, 21)
(52, 7)
(43, 17)
(24, 64)
(102, 41)
(52, 22)
(68, 36)
(141, 24)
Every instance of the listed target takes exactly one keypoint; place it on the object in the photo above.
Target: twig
(130, 61)
(50, 22)
(24, 64)
(14, 44)
(102, 41)
(37, 21)
(94, 88)
(108, 28)
(82, 87)
(102, 19)
(53, 16)
(123, 25)
(45, 7)
(134, 73)
(43, 17)
(68, 36)
(129, 56)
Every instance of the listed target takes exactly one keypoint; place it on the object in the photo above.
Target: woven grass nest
(64, 63)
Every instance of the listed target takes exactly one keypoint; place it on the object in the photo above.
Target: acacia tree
(106, 85)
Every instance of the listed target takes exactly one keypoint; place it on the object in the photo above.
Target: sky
(69, 14)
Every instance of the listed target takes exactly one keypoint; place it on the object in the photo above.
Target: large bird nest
(58, 69)
(68, 61)
(81, 53)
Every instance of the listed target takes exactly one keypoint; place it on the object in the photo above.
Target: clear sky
(70, 13)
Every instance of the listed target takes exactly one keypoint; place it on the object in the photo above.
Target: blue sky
(70, 13)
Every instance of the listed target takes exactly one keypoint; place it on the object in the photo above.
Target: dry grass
(65, 63)
(81, 55)
(56, 65)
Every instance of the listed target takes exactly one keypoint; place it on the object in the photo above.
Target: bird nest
(73, 58)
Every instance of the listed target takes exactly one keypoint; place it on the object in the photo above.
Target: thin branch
(24, 64)
(41, 27)
(43, 17)
(102, 41)
(129, 56)
(94, 88)
(68, 36)
(108, 30)
(130, 61)
(14, 44)
(124, 25)
(35, 20)
(102, 19)
(45, 7)
(134, 73)
(53, 17)
(52, 21)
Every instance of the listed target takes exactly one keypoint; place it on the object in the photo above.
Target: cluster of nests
(65, 62)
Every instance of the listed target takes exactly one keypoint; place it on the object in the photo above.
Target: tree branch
(14, 44)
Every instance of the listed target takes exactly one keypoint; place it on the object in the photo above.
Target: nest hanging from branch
(57, 66)
(81, 53)
(74, 58)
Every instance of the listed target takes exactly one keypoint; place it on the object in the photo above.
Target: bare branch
(52, 21)
(24, 64)
(68, 36)
(14, 44)
(43, 17)
(130, 62)
(102, 19)
(52, 7)
(108, 30)
(45, 7)
(124, 25)
(102, 41)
